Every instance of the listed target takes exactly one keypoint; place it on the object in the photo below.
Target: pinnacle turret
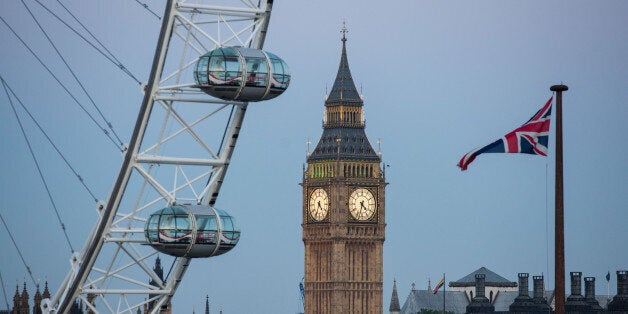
(46, 293)
(394, 300)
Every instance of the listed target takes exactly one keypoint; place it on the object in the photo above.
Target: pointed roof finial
(344, 30)
(308, 146)
(394, 300)
(207, 304)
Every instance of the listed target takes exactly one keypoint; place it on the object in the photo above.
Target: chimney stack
(523, 302)
(620, 301)
(480, 285)
(622, 282)
(589, 294)
(576, 288)
(539, 288)
(539, 299)
(575, 302)
(523, 284)
(480, 303)
(589, 287)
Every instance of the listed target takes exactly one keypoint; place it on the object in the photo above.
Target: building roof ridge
(491, 278)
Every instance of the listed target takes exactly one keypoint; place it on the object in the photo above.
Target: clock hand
(319, 204)
(362, 204)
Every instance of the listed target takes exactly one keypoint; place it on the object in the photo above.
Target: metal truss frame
(179, 152)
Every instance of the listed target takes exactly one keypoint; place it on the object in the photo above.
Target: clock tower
(343, 208)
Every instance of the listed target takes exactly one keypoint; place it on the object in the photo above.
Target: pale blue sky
(439, 78)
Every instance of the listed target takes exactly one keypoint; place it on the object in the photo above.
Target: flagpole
(444, 291)
(608, 287)
(559, 229)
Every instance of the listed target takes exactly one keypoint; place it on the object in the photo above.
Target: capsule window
(200, 73)
(152, 230)
(207, 227)
(225, 70)
(257, 72)
(230, 234)
(281, 74)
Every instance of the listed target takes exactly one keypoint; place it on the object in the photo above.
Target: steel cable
(78, 81)
(63, 86)
(41, 175)
(28, 269)
(78, 176)
(145, 6)
(111, 58)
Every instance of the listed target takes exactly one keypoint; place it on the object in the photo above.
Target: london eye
(208, 65)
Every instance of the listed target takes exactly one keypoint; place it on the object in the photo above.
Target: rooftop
(491, 279)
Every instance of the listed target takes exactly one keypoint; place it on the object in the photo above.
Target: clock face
(319, 204)
(362, 204)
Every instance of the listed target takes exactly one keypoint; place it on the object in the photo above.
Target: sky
(439, 78)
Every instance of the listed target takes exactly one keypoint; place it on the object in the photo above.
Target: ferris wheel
(174, 165)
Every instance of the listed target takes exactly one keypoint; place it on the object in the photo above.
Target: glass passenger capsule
(237, 73)
(191, 231)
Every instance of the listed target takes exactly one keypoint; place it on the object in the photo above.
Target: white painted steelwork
(179, 153)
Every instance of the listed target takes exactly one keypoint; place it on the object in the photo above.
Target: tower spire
(344, 92)
(394, 300)
(344, 119)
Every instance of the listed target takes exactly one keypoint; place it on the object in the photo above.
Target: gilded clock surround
(319, 204)
(362, 204)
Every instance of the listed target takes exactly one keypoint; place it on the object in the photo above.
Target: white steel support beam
(180, 161)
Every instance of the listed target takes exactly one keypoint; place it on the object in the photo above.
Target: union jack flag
(530, 138)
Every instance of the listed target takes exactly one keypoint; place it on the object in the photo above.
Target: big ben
(343, 208)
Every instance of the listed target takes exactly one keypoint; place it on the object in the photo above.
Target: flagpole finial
(559, 88)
